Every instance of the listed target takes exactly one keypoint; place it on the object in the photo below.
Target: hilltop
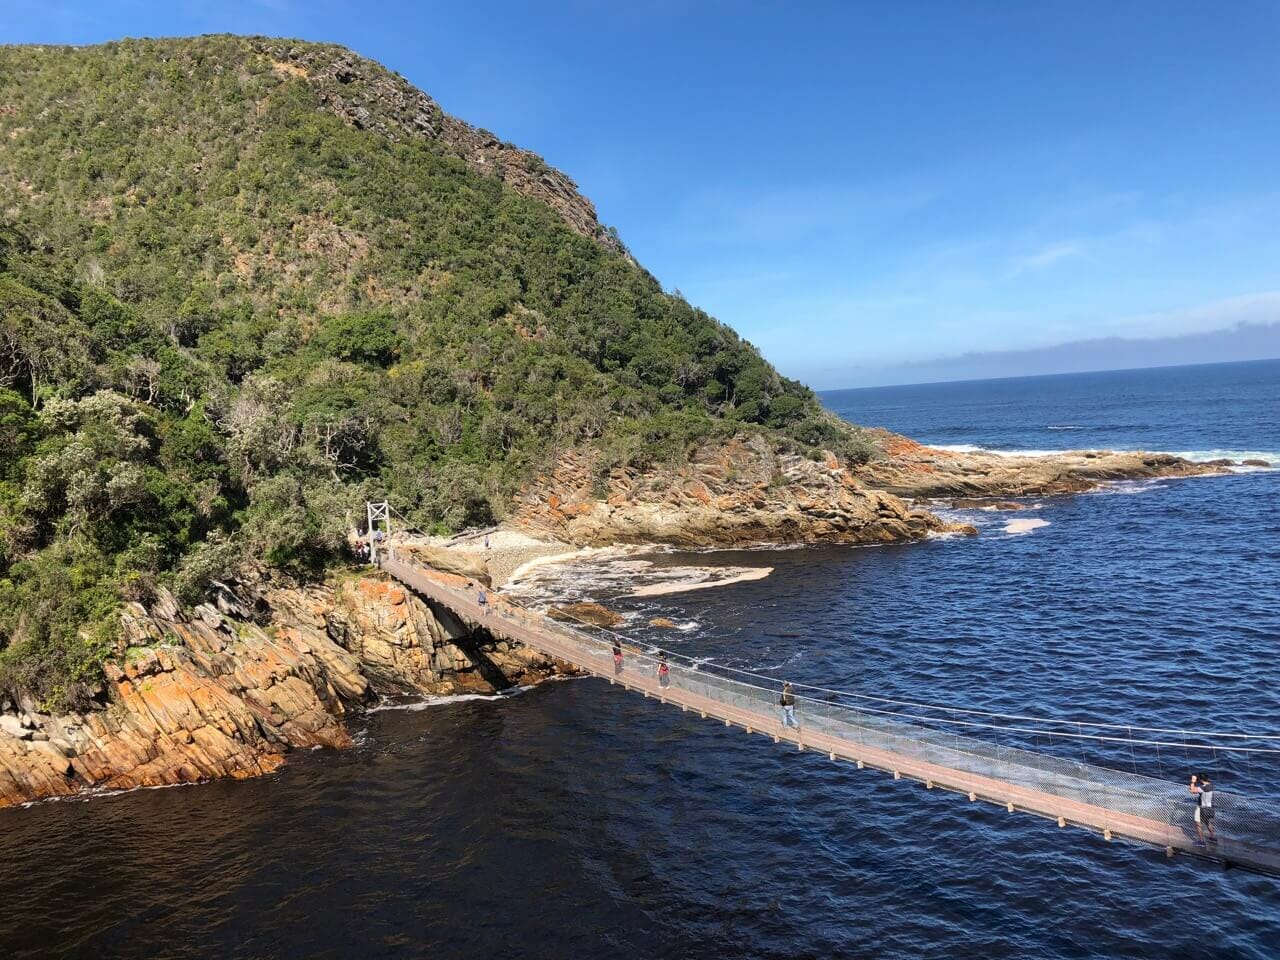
(245, 283)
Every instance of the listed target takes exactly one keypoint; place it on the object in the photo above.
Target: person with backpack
(1202, 790)
(788, 703)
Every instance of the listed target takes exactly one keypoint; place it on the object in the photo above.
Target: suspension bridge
(894, 736)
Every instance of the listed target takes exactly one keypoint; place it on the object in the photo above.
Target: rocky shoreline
(229, 687)
(913, 470)
(743, 492)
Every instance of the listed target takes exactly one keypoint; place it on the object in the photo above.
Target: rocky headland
(915, 471)
(228, 688)
(743, 492)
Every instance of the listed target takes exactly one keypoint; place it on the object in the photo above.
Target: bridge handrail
(1048, 726)
(1248, 819)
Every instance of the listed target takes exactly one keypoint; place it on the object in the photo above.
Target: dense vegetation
(227, 315)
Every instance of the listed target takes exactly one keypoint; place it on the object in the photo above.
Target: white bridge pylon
(377, 513)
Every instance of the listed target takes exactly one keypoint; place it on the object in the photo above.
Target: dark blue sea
(574, 821)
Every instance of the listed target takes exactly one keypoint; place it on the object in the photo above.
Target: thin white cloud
(1249, 308)
(1047, 257)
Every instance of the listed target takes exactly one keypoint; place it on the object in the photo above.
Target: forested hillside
(245, 283)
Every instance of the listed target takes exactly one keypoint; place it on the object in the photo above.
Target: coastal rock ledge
(228, 688)
(741, 492)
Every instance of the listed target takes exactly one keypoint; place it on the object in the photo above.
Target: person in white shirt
(1202, 789)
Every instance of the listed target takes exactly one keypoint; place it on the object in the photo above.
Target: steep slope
(245, 283)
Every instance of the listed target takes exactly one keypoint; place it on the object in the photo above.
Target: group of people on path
(663, 671)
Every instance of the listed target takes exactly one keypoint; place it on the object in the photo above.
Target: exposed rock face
(225, 690)
(405, 643)
(593, 613)
(735, 493)
(368, 96)
(913, 470)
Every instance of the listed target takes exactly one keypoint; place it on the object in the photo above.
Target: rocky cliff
(741, 492)
(228, 688)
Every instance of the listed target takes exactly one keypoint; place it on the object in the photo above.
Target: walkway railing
(1112, 802)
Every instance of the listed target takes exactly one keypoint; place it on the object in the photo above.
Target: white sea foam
(1024, 525)
(973, 448)
(1195, 456)
(95, 793)
(700, 578)
(429, 700)
(1064, 426)
(1204, 456)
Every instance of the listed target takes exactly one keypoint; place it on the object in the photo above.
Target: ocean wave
(1205, 456)
(429, 700)
(97, 793)
(1064, 426)
(976, 448)
(1195, 456)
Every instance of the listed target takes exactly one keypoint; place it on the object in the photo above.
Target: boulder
(592, 613)
(12, 726)
(979, 503)
(665, 623)
(1255, 463)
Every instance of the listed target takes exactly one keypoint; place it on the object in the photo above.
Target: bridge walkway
(1114, 803)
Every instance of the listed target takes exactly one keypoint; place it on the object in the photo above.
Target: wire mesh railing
(1247, 829)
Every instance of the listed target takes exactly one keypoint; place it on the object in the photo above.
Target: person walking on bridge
(664, 672)
(617, 658)
(1202, 789)
(788, 703)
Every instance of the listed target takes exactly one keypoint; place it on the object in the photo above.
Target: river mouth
(571, 816)
(576, 820)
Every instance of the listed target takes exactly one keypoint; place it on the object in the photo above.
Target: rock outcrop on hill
(228, 688)
(731, 494)
(368, 96)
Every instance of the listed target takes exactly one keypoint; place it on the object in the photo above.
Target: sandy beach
(509, 551)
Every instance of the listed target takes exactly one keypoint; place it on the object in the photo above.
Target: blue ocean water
(1203, 412)
(574, 821)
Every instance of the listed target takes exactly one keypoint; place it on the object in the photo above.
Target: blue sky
(856, 187)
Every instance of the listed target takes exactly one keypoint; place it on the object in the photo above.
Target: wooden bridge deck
(845, 742)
